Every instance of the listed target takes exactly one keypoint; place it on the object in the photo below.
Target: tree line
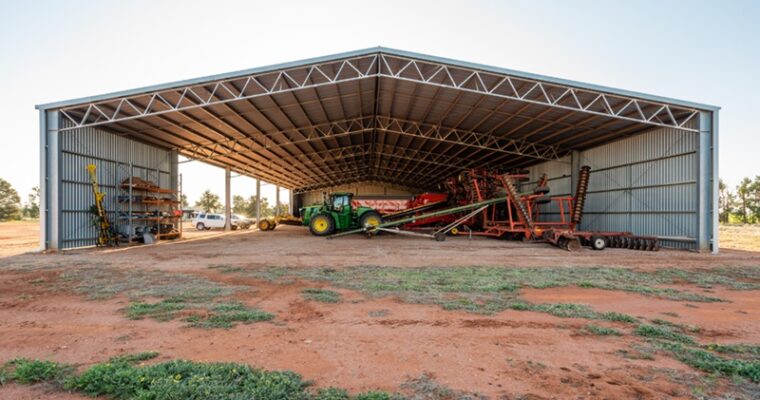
(10, 203)
(742, 204)
(209, 202)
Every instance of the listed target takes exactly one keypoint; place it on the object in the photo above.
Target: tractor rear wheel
(264, 225)
(322, 225)
(370, 218)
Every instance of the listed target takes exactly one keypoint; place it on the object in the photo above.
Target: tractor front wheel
(370, 218)
(322, 225)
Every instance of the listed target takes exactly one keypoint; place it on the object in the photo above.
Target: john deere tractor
(337, 214)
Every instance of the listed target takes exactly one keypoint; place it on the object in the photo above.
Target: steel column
(716, 191)
(227, 209)
(50, 195)
(277, 200)
(258, 201)
(705, 183)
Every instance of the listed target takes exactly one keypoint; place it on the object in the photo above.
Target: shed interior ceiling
(378, 117)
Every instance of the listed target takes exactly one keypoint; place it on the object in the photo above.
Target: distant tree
(282, 209)
(208, 202)
(240, 205)
(32, 206)
(754, 199)
(10, 202)
(266, 209)
(727, 202)
(744, 200)
(183, 202)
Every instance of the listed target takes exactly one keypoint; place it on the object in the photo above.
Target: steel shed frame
(380, 115)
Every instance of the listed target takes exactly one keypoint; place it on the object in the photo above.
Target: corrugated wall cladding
(646, 184)
(112, 156)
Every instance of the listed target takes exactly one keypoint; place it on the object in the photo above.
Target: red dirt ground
(505, 354)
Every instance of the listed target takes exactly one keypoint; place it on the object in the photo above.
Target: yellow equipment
(106, 237)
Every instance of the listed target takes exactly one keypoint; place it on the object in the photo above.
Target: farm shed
(385, 122)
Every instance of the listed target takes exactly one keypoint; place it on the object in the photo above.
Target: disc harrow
(644, 243)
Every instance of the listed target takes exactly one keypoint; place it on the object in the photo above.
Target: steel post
(227, 208)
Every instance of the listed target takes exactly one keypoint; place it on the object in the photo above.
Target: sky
(702, 51)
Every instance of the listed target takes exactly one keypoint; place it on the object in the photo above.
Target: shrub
(188, 380)
(33, 371)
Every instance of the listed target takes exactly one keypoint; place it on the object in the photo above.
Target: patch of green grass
(601, 330)
(660, 332)
(135, 358)
(321, 295)
(490, 281)
(226, 317)
(736, 278)
(137, 284)
(571, 310)
(188, 380)
(29, 371)
(4, 376)
(637, 352)
(741, 349)
(425, 387)
(164, 310)
(680, 327)
(712, 363)
(176, 293)
(331, 393)
(376, 395)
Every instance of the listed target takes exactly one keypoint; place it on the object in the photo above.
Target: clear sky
(701, 51)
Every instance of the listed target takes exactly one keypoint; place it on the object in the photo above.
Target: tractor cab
(340, 204)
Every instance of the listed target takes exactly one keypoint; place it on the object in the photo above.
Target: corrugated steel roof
(375, 114)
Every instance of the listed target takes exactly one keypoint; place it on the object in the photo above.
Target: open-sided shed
(387, 121)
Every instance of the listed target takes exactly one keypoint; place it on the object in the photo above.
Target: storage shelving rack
(150, 206)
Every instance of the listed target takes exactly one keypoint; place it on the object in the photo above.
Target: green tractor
(337, 214)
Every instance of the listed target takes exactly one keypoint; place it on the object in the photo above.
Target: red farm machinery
(482, 202)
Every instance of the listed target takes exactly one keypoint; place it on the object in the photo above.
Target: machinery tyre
(322, 225)
(264, 225)
(454, 231)
(573, 244)
(598, 242)
(542, 200)
(370, 218)
(440, 237)
(200, 226)
(272, 225)
(541, 190)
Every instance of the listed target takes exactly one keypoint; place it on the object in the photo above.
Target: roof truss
(392, 147)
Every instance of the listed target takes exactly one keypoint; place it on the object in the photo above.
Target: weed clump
(24, 370)
(321, 295)
(712, 363)
(601, 330)
(662, 333)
